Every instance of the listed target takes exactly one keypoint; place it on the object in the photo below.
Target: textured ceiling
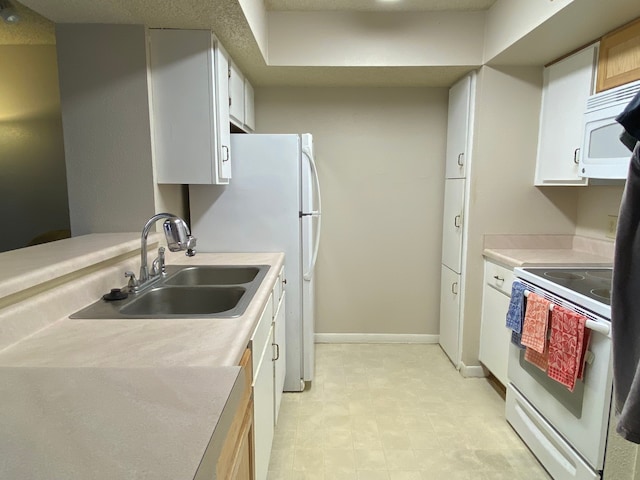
(32, 29)
(226, 19)
(378, 5)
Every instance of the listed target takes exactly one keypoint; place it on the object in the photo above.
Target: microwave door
(603, 154)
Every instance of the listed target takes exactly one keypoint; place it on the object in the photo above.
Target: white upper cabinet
(249, 108)
(458, 128)
(190, 133)
(236, 95)
(241, 104)
(567, 85)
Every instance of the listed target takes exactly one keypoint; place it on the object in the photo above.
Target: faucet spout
(178, 238)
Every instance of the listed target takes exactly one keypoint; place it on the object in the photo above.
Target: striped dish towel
(566, 346)
(536, 321)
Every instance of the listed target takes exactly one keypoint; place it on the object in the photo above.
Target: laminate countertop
(537, 250)
(111, 399)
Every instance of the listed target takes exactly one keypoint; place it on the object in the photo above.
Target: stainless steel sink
(215, 275)
(170, 301)
(201, 291)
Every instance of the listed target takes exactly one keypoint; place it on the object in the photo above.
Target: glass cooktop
(594, 283)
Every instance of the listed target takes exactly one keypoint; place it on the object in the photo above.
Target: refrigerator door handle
(316, 213)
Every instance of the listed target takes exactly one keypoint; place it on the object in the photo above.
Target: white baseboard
(472, 371)
(375, 338)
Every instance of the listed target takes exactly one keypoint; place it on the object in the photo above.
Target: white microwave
(603, 155)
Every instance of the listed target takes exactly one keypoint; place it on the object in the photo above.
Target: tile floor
(396, 412)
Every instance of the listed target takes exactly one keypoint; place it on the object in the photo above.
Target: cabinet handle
(277, 352)
(498, 278)
(225, 153)
(460, 159)
(457, 221)
(576, 156)
(454, 288)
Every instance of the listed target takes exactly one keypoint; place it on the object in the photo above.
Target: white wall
(105, 113)
(33, 187)
(503, 199)
(380, 154)
(595, 204)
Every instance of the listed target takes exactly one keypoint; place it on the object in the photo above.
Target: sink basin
(215, 275)
(197, 291)
(168, 301)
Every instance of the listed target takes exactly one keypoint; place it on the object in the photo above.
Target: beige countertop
(151, 342)
(521, 257)
(88, 423)
(538, 250)
(93, 399)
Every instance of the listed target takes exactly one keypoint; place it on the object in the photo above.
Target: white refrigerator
(272, 204)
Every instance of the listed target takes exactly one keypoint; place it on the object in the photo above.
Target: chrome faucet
(178, 238)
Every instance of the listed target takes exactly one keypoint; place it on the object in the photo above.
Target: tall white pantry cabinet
(458, 155)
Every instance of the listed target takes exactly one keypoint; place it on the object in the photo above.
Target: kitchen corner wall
(503, 199)
(595, 204)
(380, 155)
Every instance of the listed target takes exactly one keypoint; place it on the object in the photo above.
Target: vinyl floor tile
(396, 412)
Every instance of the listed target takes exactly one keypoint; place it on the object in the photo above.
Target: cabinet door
(280, 355)
(450, 313)
(452, 223)
(567, 85)
(222, 104)
(263, 407)
(458, 128)
(236, 95)
(183, 107)
(619, 57)
(249, 107)
(495, 337)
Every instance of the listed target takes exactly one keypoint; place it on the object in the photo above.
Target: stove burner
(563, 275)
(604, 293)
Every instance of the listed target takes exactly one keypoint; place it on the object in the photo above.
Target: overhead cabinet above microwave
(567, 85)
(603, 154)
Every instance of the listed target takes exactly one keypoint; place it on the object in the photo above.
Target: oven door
(580, 417)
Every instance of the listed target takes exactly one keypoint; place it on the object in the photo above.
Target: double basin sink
(203, 291)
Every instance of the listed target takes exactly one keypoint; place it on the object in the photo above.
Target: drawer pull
(498, 278)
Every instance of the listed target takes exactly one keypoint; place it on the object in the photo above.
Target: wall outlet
(612, 226)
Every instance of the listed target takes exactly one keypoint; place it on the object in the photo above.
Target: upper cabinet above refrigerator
(241, 103)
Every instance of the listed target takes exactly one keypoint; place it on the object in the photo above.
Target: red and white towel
(567, 346)
(536, 321)
(540, 360)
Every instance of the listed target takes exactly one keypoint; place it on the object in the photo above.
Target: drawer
(498, 277)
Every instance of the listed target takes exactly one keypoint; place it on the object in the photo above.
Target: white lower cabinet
(450, 313)
(263, 407)
(279, 355)
(494, 335)
(268, 345)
